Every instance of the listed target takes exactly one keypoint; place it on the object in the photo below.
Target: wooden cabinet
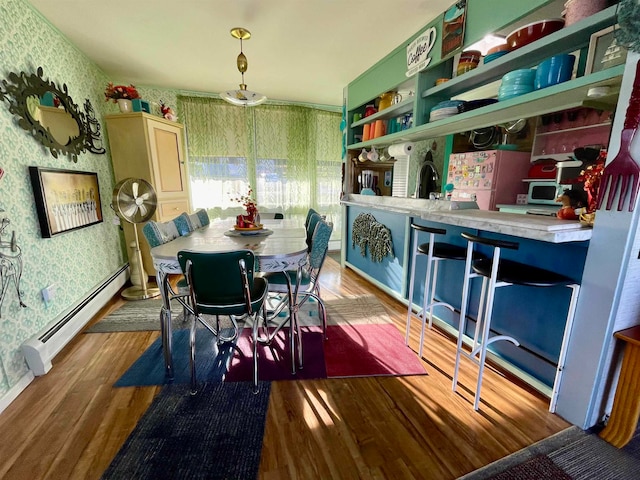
(149, 147)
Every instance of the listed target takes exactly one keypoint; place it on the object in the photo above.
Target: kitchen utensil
(624, 167)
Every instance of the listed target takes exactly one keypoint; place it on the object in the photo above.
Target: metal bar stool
(496, 273)
(435, 251)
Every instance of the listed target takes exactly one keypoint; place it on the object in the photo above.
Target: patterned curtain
(289, 155)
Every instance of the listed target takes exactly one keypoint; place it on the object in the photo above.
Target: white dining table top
(285, 241)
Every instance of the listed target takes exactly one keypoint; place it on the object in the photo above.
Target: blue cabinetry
(535, 316)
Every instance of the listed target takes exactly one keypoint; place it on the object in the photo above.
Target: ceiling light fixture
(242, 97)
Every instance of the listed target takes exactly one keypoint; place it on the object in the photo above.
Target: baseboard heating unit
(40, 349)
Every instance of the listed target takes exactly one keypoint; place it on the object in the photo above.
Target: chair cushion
(449, 251)
(199, 219)
(184, 224)
(158, 233)
(522, 274)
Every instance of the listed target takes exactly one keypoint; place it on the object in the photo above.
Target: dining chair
(236, 293)
(310, 226)
(305, 282)
(158, 233)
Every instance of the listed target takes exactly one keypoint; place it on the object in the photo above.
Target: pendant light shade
(242, 96)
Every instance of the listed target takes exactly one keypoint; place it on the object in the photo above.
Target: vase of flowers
(252, 218)
(122, 95)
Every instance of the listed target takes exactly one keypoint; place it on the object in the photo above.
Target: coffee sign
(419, 51)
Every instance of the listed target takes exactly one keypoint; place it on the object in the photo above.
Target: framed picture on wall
(65, 199)
(604, 52)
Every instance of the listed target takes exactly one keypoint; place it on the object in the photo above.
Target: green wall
(75, 262)
(483, 17)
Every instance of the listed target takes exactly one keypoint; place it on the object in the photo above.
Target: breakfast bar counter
(466, 214)
(539, 319)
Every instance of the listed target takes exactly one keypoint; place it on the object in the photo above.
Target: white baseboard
(16, 390)
(40, 349)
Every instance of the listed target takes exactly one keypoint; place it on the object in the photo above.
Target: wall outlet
(48, 293)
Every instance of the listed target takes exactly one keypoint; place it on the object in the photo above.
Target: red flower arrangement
(591, 177)
(249, 203)
(116, 92)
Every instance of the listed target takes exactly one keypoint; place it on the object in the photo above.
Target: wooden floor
(71, 422)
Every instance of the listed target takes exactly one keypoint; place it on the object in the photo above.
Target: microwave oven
(545, 192)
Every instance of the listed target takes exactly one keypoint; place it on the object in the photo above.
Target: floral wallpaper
(75, 262)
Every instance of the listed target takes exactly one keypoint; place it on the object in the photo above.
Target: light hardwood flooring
(71, 422)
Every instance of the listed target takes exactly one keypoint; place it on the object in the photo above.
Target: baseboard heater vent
(40, 349)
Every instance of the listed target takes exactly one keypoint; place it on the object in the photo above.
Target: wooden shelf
(393, 111)
(563, 96)
(565, 40)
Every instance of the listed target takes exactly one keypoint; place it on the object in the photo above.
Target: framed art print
(65, 199)
(604, 51)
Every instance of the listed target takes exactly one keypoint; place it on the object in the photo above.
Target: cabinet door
(165, 143)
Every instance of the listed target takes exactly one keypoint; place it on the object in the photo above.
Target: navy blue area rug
(215, 434)
(212, 361)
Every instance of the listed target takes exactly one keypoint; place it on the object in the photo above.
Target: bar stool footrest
(497, 338)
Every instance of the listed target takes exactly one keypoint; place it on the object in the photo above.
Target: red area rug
(350, 351)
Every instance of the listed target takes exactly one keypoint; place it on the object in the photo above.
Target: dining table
(279, 246)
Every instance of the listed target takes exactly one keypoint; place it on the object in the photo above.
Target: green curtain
(289, 155)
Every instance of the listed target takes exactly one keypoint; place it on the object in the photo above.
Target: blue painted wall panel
(390, 271)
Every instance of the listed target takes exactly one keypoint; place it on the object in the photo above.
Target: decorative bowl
(248, 229)
(533, 31)
(523, 75)
(494, 56)
(503, 47)
(554, 70)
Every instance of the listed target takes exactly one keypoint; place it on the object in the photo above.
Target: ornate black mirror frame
(20, 87)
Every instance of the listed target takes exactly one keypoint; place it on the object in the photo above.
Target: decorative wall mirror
(50, 115)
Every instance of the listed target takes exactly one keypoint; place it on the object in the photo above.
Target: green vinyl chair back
(223, 284)
(217, 283)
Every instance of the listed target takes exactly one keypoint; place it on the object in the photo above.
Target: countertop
(466, 214)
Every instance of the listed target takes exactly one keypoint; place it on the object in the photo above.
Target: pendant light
(242, 96)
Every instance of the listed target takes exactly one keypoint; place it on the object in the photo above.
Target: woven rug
(144, 315)
(215, 434)
(571, 454)
(356, 347)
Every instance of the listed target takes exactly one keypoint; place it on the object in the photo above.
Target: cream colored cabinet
(149, 147)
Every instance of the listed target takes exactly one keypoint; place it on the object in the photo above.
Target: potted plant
(122, 95)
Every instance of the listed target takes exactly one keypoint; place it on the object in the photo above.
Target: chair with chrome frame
(310, 226)
(237, 293)
(306, 285)
(159, 233)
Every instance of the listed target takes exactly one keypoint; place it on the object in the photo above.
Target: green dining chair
(305, 283)
(223, 284)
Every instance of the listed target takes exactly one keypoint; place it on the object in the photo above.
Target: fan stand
(139, 292)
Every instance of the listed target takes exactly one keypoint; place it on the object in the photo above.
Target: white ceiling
(300, 50)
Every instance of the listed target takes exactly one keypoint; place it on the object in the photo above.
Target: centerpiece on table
(252, 217)
(122, 95)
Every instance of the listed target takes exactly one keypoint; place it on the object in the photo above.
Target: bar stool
(435, 251)
(496, 273)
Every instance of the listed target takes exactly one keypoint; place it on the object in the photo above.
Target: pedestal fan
(134, 201)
